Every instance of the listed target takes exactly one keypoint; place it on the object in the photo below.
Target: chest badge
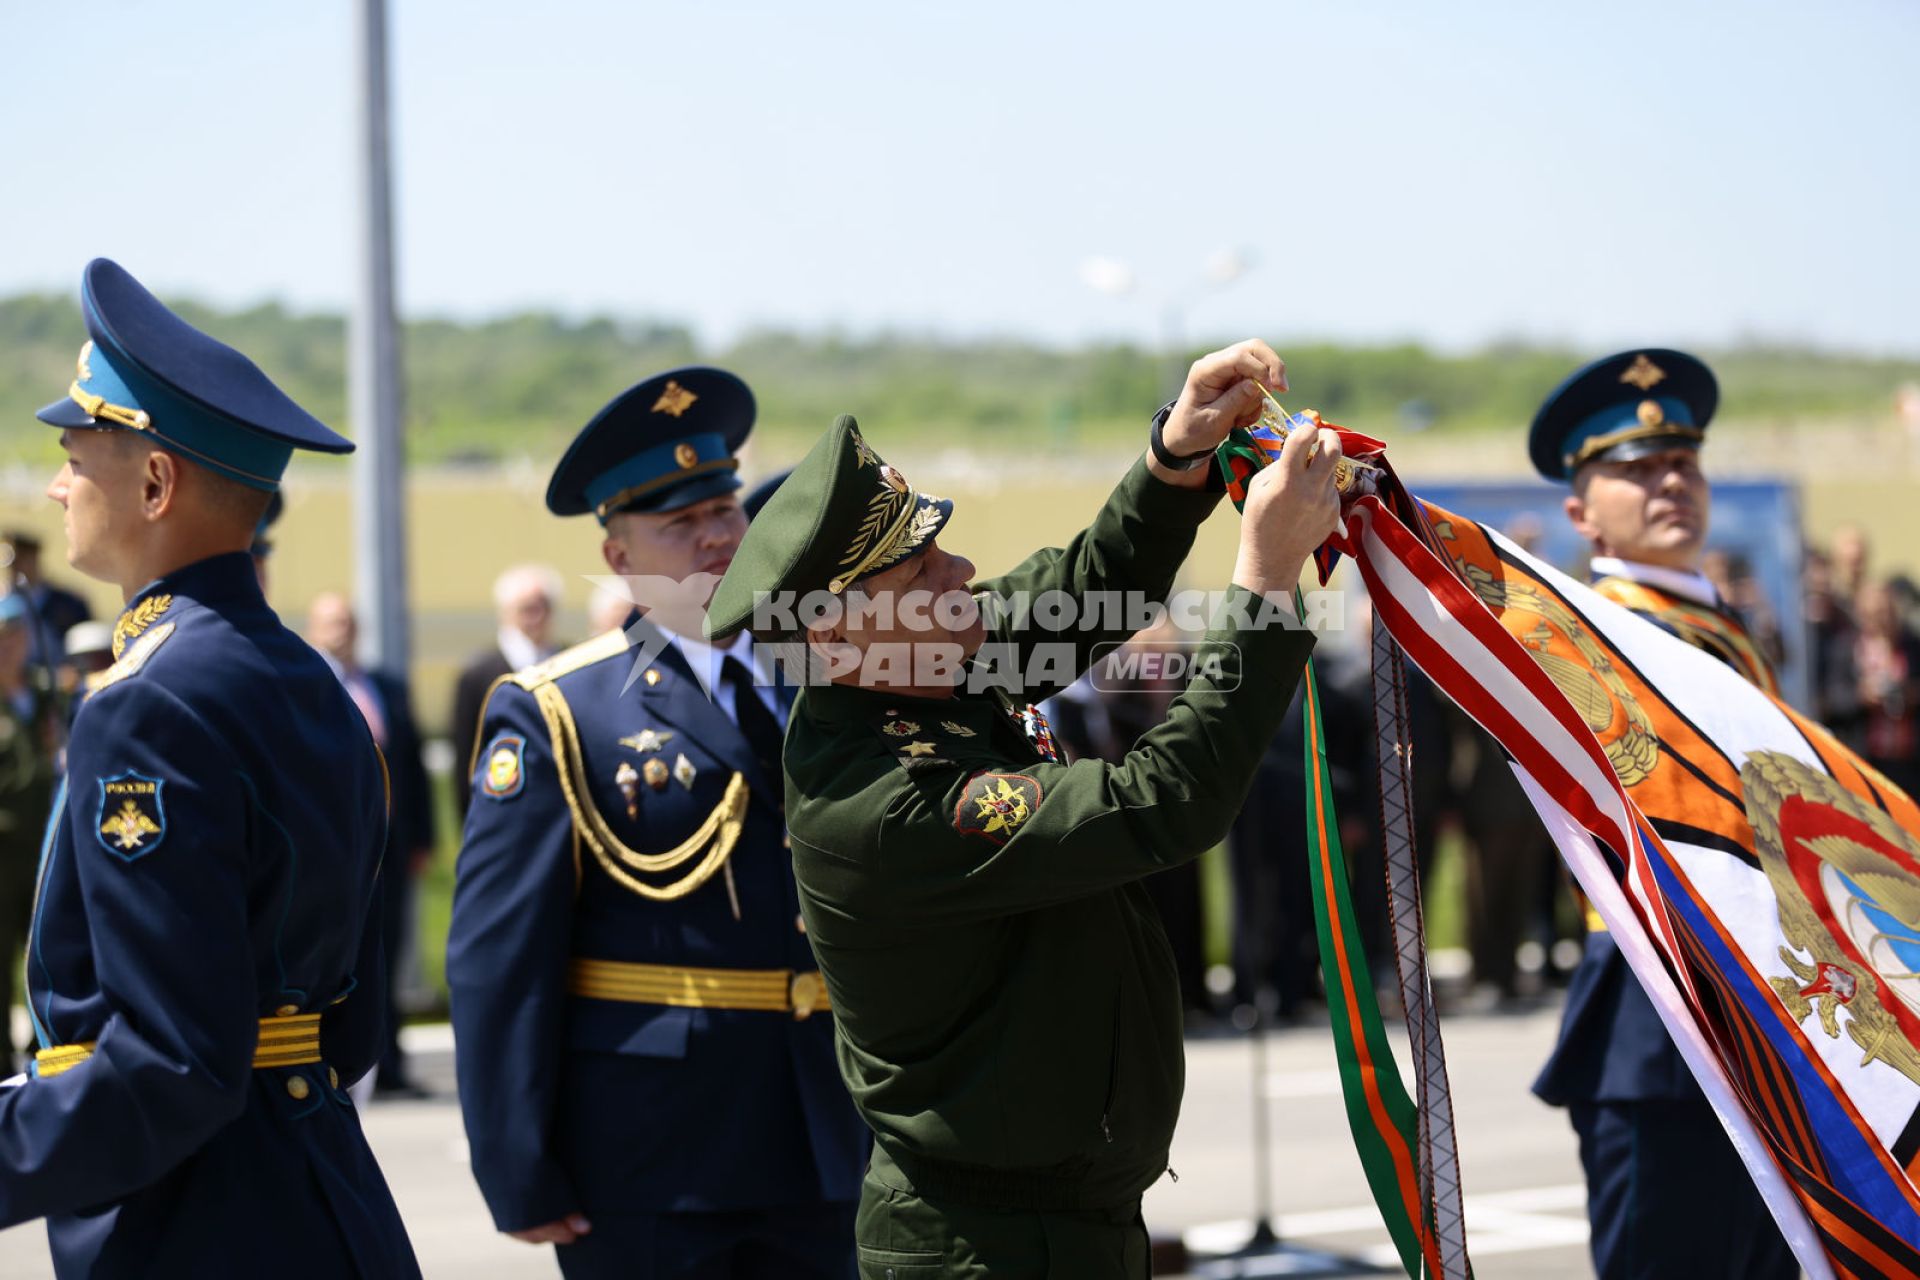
(646, 740)
(683, 772)
(655, 772)
(627, 778)
(132, 818)
(994, 806)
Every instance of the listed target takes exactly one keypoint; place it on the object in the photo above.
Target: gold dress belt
(288, 1040)
(802, 993)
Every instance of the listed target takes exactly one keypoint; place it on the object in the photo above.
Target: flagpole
(373, 376)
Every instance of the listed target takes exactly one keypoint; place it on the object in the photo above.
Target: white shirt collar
(706, 659)
(1694, 586)
(518, 650)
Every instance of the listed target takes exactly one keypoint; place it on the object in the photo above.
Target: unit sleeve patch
(133, 818)
(503, 767)
(994, 806)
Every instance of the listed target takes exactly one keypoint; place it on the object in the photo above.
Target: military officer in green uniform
(29, 713)
(1007, 1014)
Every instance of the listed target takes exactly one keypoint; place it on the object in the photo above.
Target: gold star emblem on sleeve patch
(994, 806)
(918, 749)
(132, 819)
(675, 400)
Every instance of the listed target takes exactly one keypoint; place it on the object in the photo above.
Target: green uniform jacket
(1007, 1013)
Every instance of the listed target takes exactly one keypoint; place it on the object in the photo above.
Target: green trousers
(902, 1235)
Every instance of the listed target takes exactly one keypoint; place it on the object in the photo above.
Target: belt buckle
(803, 993)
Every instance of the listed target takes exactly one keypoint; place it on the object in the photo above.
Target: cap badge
(1643, 373)
(894, 480)
(685, 454)
(1650, 413)
(674, 401)
(863, 454)
(85, 370)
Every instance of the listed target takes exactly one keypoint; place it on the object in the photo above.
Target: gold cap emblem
(1650, 413)
(894, 480)
(1643, 373)
(674, 401)
(685, 454)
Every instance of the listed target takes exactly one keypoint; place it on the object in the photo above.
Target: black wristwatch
(1166, 457)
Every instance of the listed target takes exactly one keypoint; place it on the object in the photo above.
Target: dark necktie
(762, 731)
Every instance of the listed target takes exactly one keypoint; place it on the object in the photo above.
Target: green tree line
(523, 384)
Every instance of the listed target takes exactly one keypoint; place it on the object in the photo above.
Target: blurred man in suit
(384, 701)
(524, 600)
(51, 609)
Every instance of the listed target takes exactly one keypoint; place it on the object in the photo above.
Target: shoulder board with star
(132, 660)
(606, 645)
(909, 740)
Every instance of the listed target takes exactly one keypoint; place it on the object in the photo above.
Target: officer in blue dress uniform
(1666, 1194)
(207, 884)
(645, 1045)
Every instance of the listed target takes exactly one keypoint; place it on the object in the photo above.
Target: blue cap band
(657, 468)
(182, 425)
(1626, 416)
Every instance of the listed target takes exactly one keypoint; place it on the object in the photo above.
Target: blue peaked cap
(658, 446)
(1621, 407)
(147, 370)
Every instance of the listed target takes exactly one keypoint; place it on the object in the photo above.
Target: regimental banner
(1763, 882)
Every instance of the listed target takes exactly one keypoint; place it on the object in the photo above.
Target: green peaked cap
(842, 514)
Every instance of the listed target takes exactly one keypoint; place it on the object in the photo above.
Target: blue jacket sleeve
(170, 948)
(507, 952)
(353, 1032)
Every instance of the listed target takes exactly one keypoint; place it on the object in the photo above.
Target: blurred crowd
(1520, 924)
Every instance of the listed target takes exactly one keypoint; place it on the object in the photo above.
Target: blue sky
(1595, 174)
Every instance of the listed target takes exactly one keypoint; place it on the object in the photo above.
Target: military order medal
(627, 778)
